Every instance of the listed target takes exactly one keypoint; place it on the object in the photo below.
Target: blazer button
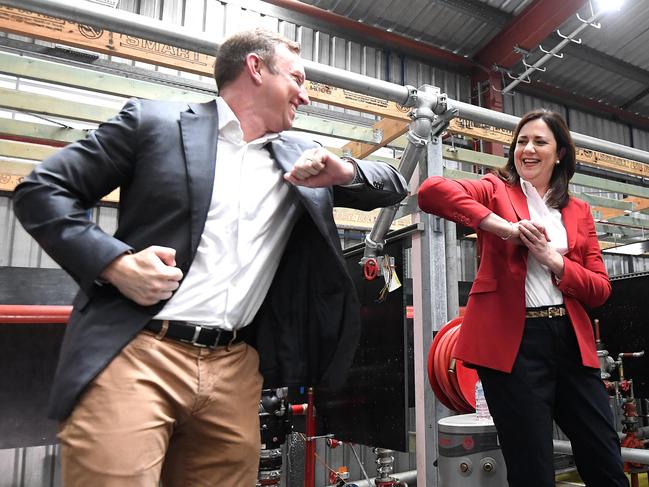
(378, 184)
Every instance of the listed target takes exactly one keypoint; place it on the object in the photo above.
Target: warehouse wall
(36, 467)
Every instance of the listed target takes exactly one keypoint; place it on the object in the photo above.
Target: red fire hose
(452, 382)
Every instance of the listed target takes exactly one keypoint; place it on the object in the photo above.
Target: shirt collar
(230, 127)
(528, 187)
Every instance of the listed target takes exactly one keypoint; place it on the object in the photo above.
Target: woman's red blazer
(493, 324)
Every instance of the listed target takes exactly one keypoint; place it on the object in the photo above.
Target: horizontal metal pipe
(409, 477)
(120, 21)
(633, 455)
(16, 313)
(155, 30)
(503, 120)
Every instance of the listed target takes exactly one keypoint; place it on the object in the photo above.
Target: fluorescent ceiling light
(610, 5)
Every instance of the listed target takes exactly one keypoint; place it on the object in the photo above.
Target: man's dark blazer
(162, 155)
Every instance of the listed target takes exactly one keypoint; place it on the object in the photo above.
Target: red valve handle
(370, 269)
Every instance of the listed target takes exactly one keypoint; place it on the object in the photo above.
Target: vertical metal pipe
(452, 292)
(309, 450)
(430, 303)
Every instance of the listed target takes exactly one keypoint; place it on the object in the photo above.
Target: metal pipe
(120, 21)
(634, 455)
(411, 156)
(552, 53)
(409, 477)
(309, 449)
(502, 120)
(152, 29)
(155, 30)
(18, 313)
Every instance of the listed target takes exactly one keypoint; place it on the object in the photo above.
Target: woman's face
(536, 155)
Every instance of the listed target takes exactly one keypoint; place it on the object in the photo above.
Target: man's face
(283, 91)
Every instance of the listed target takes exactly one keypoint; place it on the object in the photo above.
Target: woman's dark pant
(549, 382)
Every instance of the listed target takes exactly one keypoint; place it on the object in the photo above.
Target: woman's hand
(535, 238)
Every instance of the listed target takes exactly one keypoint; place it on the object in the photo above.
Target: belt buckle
(197, 332)
(553, 312)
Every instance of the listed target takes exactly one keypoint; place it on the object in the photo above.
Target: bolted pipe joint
(413, 96)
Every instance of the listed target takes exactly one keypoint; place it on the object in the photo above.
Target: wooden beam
(596, 210)
(91, 79)
(39, 26)
(24, 101)
(587, 157)
(24, 150)
(39, 131)
(341, 130)
(23, 22)
(42, 133)
(390, 130)
(492, 161)
(12, 172)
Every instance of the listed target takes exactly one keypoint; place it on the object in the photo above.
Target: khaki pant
(167, 410)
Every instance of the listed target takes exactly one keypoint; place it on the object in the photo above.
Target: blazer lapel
(569, 217)
(317, 201)
(199, 129)
(519, 201)
(314, 199)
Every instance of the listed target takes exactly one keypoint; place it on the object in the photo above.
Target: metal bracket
(576, 41)
(529, 66)
(595, 25)
(413, 96)
(524, 79)
(557, 55)
(519, 50)
(437, 225)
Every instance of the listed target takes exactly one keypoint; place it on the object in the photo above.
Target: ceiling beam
(603, 60)
(635, 98)
(526, 30)
(574, 100)
(478, 10)
(371, 34)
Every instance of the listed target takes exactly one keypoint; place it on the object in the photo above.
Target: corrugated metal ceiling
(610, 66)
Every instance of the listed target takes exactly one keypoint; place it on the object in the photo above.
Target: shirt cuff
(358, 177)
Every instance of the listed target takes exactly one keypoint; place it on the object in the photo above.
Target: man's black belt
(193, 333)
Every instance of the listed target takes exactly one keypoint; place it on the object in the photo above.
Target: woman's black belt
(546, 312)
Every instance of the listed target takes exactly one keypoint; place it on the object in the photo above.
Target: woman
(525, 328)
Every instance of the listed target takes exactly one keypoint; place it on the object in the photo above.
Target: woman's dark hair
(558, 191)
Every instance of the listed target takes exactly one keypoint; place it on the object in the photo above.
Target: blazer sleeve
(462, 201)
(584, 275)
(52, 202)
(382, 186)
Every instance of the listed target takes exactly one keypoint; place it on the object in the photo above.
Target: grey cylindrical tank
(469, 453)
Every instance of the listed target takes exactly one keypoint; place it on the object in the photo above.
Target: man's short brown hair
(231, 55)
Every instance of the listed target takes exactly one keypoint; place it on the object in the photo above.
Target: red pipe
(298, 409)
(16, 313)
(408, 45)
(34, 140)
(309, 449)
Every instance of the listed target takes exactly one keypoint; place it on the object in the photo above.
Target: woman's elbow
(428, 193)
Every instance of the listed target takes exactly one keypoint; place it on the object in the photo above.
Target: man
(225, 232)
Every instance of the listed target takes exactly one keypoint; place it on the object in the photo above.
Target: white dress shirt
(249, 221)
(540, 289)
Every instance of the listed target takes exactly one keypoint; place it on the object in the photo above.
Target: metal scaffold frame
(435, 299)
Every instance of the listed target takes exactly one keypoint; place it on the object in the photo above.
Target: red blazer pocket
(482, 285)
